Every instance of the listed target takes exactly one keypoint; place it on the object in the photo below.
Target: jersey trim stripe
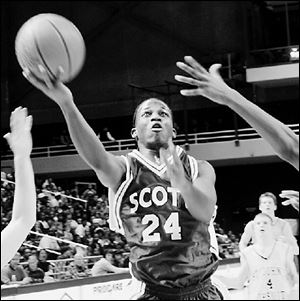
(116, 199)
(194, 168)
(157, 169)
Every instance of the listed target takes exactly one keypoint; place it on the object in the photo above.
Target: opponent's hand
(209, 83)
(292, 198)
(54, 89)
(20, 139)
(174, 165)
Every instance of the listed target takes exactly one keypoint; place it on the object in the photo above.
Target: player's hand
(208, 83)
(54, 89)
(292, 198)
(19, 138)
(174, 165)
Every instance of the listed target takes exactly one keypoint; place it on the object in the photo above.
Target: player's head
(267, 203)
(153, 124)
(262, 224)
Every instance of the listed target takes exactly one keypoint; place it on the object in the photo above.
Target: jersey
(269, 279)
(169, 247)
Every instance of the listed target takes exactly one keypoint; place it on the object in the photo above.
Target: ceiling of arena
(131, 46)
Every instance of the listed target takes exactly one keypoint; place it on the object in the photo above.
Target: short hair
(264, 215)
(139, 105)
(268, 194)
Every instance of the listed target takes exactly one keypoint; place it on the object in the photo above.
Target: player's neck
(265, 240)
(150, 154)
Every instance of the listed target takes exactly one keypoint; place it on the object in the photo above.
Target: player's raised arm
(200, 196)
(24, 206)
(211, 85)
(109, 168)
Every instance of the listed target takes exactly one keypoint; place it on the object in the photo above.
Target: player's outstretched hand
(174, 165)
(207, 83)
(19, 138)
(292, 197)
(54, 89)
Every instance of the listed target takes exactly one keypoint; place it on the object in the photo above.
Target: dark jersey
(168, 245)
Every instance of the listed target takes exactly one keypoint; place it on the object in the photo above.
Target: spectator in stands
(80, 229)
(67, 235)
(47, 242)
(67, 252)
(107, 136)
(89, 193)
(107, 265)
(42, 260)
(282, 229)
(78, 268)
(26, 253)
(64, 138)
(41, 224)
(49, 185)
(71, 222)
(121, 260)
(13, 272)
(34, 274)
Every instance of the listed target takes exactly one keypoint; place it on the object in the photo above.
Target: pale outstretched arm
(24, 206)
(246, 236)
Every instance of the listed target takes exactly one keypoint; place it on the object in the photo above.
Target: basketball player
(24, 206)
(267, 265)
(211, 85)
(282, 229)
(161, 199)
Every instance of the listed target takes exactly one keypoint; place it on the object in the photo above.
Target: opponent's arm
(246, 236)
(24, 206)
(109, 168)
(288, 237)
(200, 196)
(211, 85)
(292, 198)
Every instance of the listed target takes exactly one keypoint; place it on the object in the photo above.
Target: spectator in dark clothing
(42, 260)
(34, 274)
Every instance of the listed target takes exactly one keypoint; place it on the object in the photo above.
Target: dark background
(138, 43)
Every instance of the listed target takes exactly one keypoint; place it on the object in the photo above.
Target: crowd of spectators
(61, 214)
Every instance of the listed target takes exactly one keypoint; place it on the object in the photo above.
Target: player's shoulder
(205, 168)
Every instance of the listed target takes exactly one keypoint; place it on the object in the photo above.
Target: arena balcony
(228, 147)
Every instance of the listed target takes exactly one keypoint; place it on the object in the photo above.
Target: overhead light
(294, 54)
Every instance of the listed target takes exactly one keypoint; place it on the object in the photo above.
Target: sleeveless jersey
(269, 279)
(169, 247)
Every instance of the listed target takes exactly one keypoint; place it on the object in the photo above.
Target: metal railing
(129, 144)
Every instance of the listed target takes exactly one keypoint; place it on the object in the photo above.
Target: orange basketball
(52, 41)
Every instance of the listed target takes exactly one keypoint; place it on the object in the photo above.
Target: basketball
(50, 40)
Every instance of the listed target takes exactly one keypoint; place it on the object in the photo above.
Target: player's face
(154, 124)
(267, 205)
(263, 224)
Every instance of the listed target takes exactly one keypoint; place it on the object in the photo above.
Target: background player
(281, 228)
(24, 206)
(268, 266)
